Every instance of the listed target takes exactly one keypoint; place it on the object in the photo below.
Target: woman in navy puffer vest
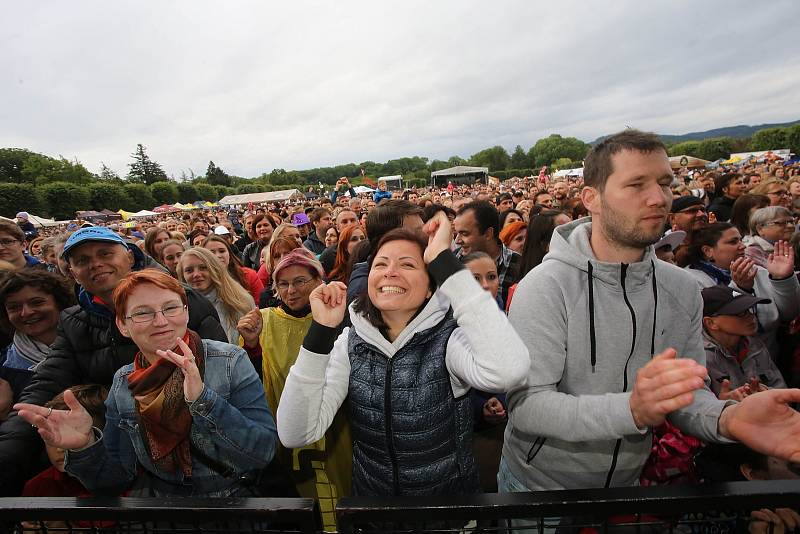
(405, 367)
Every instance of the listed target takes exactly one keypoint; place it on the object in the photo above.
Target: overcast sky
(261, 85)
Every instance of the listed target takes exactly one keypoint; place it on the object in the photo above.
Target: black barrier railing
(148, 515)
(696, 509)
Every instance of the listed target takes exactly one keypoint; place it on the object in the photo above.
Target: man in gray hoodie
(614, 336)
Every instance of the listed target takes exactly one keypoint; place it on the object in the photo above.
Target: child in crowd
(738, 363)
(53, 481)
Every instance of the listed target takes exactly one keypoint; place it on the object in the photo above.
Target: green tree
(496, 158)
(713, 149)
(140, 197)
(455, 161)
(62, 199)
(564, 163)
(11, 162)
(223, 191)
(246, 189)
(164, 193)
(686, 148)
(206, 192)
(187, 193)
(18, 197)
(105, 195)
(108, 175)
(551, 148)
(519, 159)
(216, 176)
(769, 139)
(278, 177)
(793, 138)
(144, 170)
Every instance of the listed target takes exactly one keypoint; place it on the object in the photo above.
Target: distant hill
(737, 132)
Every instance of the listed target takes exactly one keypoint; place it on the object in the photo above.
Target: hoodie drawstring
(592, 339)
(592, 335)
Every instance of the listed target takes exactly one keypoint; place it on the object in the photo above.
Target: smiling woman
(422, 335)
(32, 301)
(188, 414)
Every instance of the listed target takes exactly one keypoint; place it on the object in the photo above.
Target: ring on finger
(49, 412)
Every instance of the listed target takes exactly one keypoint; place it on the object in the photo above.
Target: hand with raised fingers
(192, 382)
(440, 234)
(63, 429)
(329, 304)
(738, 394)
(780, 263)
(667, 383)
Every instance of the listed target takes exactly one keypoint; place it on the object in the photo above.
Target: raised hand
(192, 383)
(329, 303)
(766, 423)
(440, 234)
(249, 326)
(780, 263)
(63, 429)
(667, 383)
(743, 272)
(712, 217)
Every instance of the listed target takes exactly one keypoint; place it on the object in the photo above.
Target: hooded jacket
(483, 351)
(88, 350)
(589, 327)
(314, 243)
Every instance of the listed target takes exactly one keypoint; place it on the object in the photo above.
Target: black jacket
(721, 207)
(88, 350)
(314, 243)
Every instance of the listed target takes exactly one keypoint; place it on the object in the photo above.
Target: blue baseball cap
(92, 233)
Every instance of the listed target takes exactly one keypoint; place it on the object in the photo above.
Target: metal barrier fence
(688, 509)
(716, 509)
(144, 516)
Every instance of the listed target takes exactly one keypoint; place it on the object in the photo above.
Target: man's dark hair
(597, 166)
(387, 216)
(503, 196)
(538, 194)
(318, 213)
(49, 283)
(431, 210)
(722, 181)
(486, 215)
(91, 396)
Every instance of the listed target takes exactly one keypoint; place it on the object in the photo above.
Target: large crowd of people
(541, 333)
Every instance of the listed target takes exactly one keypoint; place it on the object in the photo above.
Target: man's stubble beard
(617, 230)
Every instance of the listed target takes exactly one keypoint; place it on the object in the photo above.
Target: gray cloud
(256, 86)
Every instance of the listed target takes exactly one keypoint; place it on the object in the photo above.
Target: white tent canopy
(569, 172)
(257, 198)
(41, 221)
(363, 189)
(460, 170)
(144, 213)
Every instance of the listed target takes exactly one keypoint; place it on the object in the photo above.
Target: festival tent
(91, 215)
(184, 207)
(392, 182)
(143, 213)
(359, 189)
(257, 198)
(41, 221)
(569, 172)
(460, 174)
(111, 215)
(690, 162)
(125, 214)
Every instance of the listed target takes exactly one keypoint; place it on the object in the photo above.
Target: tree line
(57, 187)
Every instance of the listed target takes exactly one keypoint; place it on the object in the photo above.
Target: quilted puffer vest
(411, 436)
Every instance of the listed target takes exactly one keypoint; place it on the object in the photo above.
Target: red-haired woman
(185, 404)
(348, 239)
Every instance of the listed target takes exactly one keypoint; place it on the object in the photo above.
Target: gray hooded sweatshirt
(589, 327)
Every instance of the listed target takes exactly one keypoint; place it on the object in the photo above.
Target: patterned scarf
(721, 276)
(162, 411)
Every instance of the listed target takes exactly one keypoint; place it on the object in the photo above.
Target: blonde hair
(765, 185)
(235, 299)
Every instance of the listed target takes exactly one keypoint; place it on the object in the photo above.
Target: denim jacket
(231, 424)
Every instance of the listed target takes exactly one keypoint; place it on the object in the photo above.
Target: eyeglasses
(694, 210)
(785, 222)
(148, 317)
(298, 283)
(782, 193)
(9, 242)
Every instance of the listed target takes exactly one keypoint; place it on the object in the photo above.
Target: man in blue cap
(89, 348)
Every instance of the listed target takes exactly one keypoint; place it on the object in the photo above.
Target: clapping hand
(743, 273)
(192, 383)
(329, 303)
(249, 327)
(780, 263)
(493, 411)
(63, 429)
